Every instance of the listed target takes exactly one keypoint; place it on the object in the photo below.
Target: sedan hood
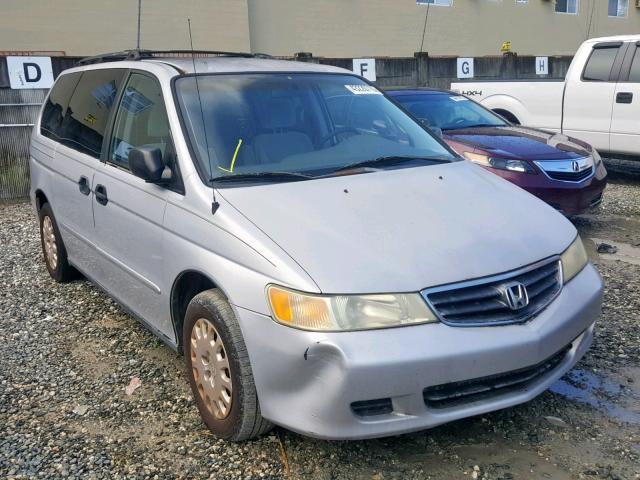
(404, 230)
(521, 143)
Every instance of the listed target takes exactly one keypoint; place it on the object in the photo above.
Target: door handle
(624, 97)
(83, 185)
(101, 194)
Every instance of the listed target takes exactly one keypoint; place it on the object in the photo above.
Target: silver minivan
(322, 260)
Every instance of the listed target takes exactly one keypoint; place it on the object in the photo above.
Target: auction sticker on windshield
(362, 90)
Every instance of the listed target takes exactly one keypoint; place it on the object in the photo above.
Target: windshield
(449, 111)
(312, 124)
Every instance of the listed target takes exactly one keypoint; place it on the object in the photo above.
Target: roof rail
(146, 54)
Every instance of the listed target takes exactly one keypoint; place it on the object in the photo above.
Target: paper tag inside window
(362, 90)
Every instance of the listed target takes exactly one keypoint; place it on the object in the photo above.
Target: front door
(625, 121)
(128, 211)
(588, 101)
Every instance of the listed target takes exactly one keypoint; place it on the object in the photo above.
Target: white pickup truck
(599, 101)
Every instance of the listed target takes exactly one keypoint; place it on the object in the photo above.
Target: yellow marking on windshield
(233, 160)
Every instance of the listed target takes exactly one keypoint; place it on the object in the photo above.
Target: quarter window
(57, 104)
(85, 121)
(141, 120)
(598, 68)
(618, 8)
(567, 6)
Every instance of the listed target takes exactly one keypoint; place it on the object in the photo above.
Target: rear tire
(219, 370)
(53, 249)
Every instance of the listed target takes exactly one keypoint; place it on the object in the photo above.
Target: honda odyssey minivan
(323, 261)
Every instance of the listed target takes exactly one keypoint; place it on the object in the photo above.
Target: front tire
(53, 249)
(219, 370)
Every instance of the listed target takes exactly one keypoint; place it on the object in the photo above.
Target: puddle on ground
(586, 387)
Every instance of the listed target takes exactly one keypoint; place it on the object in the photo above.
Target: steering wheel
(337, 132)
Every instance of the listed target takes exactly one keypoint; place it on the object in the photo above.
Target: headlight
(573, 260)
(347, 312)
(597, 159)
(500, 163)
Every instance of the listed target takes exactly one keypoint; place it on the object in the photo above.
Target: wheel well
(186, 286)
(41, 199)
(507, 115)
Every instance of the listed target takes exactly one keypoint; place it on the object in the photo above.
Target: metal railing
(18, 112)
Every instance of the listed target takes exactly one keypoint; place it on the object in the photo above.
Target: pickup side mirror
(146, 163)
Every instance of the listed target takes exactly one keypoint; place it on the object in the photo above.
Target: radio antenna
(139, 20)
(214, 205)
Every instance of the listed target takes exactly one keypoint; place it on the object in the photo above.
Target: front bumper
(307, 381)
(568, 197)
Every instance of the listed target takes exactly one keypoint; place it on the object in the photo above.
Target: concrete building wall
(360, 28)
(87, 27)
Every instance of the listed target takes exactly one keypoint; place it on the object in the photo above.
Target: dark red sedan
(565, 172)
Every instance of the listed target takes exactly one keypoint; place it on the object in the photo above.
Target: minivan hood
(520, 143)
(404, 230)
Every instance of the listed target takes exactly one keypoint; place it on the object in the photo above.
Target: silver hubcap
(50, 245)
(210, 368)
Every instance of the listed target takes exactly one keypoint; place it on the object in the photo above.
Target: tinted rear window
(85, 121)
(599, 65)
(56, 107)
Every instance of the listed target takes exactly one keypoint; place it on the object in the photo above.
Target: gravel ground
(67, 353)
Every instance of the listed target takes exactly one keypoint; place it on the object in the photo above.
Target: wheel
(508, 116)
(53, 249)
(219, 370)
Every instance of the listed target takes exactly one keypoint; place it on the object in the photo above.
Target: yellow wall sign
(506, 47)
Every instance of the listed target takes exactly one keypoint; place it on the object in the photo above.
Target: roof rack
(137, 54)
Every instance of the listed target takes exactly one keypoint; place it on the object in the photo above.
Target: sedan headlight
(499, 163)
(347, 312)
(597, 159)
(573, 260)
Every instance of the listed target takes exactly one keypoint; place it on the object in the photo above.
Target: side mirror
(146, 163)
(437, 131)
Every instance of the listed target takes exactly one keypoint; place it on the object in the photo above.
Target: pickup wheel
(53, 249)
(219, 370)
(510, 117)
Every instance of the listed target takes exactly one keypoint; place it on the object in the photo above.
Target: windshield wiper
(477, 125)
(270, 176)
(388, 161)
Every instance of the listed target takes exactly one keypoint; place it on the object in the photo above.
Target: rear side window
(85, 121)
(599, 65)
(56, 107)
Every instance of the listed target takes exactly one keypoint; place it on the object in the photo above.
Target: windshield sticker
(459, 99)
(362, 90)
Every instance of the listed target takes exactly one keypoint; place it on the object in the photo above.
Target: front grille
(483, 302)
(571, 176)
(369, 408)
(452, 394)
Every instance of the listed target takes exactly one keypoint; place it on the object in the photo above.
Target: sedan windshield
(309, 124)
(448, 111)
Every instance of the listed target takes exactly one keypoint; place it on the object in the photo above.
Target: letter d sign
(30, 72)
(465, 68)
